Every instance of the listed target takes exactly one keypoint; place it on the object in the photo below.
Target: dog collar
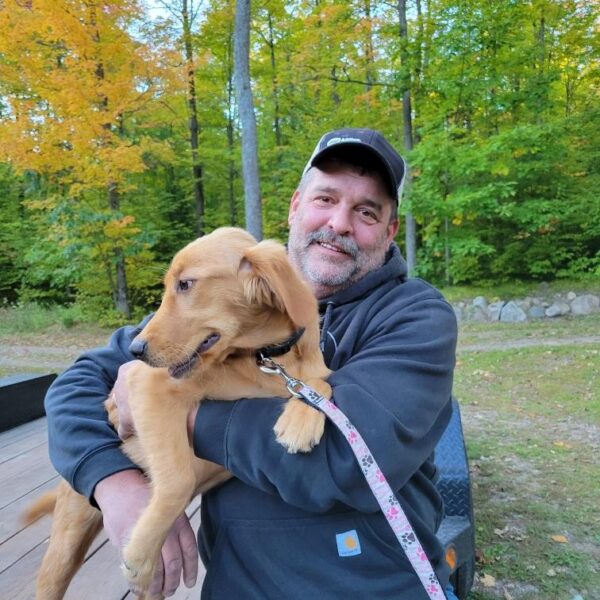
(281, 348)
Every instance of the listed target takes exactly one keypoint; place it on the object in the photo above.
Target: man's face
(340, 227)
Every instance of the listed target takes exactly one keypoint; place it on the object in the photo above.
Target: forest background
(120, 133)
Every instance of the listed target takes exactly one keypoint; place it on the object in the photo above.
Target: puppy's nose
(138, 348)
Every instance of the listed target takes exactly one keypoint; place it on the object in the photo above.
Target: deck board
(26, 473)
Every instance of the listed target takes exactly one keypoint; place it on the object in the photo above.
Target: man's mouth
(333, 248)
(185, 366)
(333, 243)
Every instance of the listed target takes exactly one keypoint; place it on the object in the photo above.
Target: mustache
(329, 237)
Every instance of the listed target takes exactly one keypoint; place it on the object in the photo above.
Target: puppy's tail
(44, 505)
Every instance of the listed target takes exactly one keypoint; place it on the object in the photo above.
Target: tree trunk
(247, 119)
(542, 85)
(231, 171)
(119, 292)
(369, 51)
(275, 85)
(194, 128)
(410, 223)
(448, 277)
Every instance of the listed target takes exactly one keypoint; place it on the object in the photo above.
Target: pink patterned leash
(390, 506)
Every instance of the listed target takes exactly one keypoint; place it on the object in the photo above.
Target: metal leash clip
(268, 365)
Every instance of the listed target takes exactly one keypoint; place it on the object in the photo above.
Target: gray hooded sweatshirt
(298, 526)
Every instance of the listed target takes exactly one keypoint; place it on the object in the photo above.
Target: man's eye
(183, 285)
(368, 216)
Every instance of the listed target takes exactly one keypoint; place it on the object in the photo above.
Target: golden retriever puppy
(226, 297)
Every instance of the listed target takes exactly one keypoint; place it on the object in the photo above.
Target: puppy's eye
(184, 285)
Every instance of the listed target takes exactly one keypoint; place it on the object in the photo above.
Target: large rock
(512, 313)
(494, 310)
(558, 309)
(585, 304)
(524, 304)
(536, 312)
(476, 313)
(481, 302)
(459, 312)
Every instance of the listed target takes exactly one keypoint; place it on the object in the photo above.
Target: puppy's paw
(300, 426)
(138, 569)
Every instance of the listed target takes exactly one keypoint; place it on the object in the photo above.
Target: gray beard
(338, 280)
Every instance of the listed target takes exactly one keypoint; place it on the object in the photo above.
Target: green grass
(569, 326)
(520, 289)
(34, 325)
(549, 382)
(8, 371)
(31, 318)
(522, 499)
(531, 420)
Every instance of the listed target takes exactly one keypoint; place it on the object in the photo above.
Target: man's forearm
(84, 448)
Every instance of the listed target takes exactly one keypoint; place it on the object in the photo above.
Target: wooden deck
(26, 472)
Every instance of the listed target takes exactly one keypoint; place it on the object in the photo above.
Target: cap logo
(337, 140)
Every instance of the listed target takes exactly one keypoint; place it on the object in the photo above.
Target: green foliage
(11, 226)
(505, 166)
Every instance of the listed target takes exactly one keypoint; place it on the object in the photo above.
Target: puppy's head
(224, 292)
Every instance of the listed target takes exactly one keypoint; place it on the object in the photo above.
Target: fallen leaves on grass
(561, 539)
(487, 580)
(482, 373)
(561, 444)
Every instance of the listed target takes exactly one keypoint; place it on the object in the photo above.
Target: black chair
(457, 531)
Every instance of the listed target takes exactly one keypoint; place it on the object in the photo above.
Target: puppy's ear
(269, 278)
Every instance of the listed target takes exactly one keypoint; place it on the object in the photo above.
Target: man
(278, 529)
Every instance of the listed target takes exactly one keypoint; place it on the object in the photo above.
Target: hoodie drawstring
(325, 323)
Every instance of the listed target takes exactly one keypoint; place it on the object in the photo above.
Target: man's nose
(340, 221)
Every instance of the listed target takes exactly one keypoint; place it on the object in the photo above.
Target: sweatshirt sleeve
(84, 448)
(394, 384)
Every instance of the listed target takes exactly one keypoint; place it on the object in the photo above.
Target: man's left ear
(392, 229)
(293, 205)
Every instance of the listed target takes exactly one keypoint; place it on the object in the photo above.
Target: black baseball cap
(371, 141)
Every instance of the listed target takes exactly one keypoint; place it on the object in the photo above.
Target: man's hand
(122, 497)
(121, 395)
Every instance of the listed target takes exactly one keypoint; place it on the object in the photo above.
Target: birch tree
(407, 129)
(252, 201)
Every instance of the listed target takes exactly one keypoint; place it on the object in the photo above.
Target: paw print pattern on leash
(367, 463)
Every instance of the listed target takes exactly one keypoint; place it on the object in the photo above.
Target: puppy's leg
(208, 475)
(300, 426)
(75, 525)
(159, 409)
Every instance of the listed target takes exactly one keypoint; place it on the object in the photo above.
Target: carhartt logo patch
(347, 543)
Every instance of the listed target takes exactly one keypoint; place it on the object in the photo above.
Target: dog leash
(390, 506)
